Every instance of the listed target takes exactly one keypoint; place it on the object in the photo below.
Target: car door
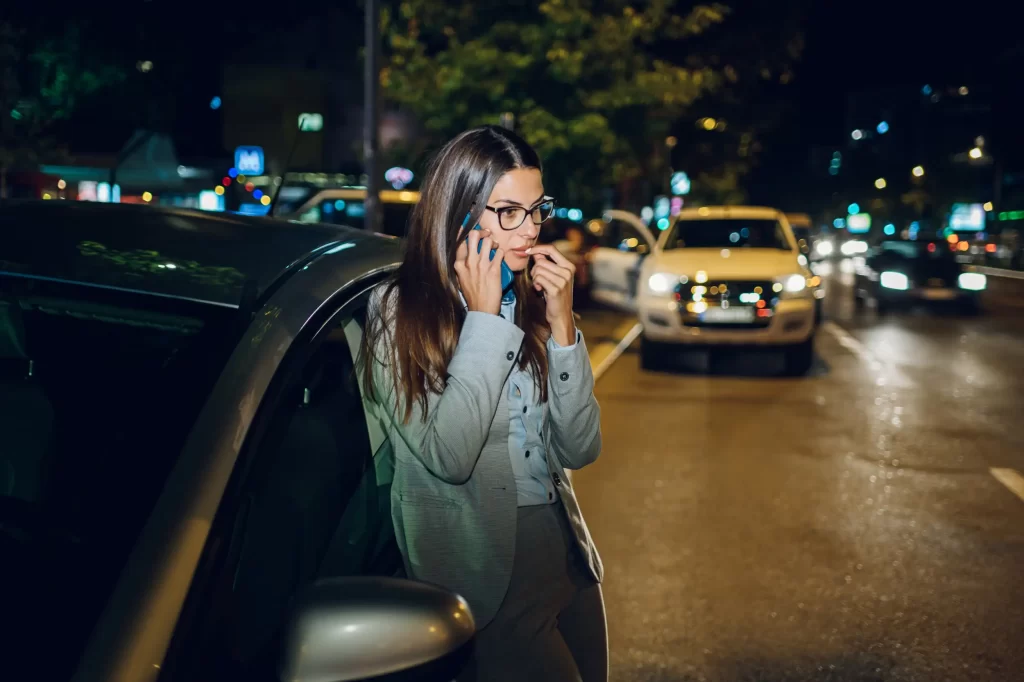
(309, 499)
(623, 242)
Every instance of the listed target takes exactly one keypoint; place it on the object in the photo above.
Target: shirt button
(510, 355)
(524, 410)
(564, 376)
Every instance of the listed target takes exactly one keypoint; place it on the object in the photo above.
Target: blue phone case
(506, 272)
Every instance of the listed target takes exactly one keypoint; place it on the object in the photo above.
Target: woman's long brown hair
(416, 327)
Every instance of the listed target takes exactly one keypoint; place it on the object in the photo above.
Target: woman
(490, 399)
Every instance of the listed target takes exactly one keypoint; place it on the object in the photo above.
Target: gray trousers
(551, 625)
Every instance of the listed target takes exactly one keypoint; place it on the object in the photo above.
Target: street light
(988, 206)
(975, 153)
(880, 183)
(918, 171)
(857, 134)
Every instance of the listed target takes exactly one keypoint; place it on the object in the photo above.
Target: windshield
(731, 233)
(932, 250)
(96, 400)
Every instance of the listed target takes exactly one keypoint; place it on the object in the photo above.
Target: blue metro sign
(249, 160)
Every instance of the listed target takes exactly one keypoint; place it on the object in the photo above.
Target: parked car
(192, 484)
(346, 206)
(577, 244)
(899, 273)
(623, 241)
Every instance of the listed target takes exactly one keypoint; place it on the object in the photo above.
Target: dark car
(192, 484)
(900, 273)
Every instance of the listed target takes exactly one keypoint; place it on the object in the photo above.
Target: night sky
(849, 46)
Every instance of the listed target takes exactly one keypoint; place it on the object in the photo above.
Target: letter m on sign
(249, 160)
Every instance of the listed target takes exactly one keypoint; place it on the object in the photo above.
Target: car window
(314, 502)
(622, 236)
(902, 249)
(727, 233)
(97, 397)
(803, 238)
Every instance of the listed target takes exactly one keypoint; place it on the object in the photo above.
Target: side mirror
(363, 628)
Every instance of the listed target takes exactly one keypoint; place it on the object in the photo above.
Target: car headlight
(791, 286)
(972, 281)
(894, 280)
(853, 247)
(662, 283)
(824, 248)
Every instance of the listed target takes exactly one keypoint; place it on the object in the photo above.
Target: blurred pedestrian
(490, 399)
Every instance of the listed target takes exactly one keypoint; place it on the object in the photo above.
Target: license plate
(939, 294)
(729, 315)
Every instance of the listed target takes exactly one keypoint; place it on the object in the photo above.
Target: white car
(718, 276)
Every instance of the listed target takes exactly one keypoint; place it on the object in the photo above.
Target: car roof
(729, 212)
(183, 254)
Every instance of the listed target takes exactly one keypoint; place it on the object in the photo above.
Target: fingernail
(529, 250)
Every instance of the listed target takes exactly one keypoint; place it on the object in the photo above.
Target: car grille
(747, 304)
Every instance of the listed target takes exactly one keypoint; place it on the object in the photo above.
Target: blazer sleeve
(575, 416)
(449, 441)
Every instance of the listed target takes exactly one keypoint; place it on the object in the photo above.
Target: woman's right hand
(480, 277)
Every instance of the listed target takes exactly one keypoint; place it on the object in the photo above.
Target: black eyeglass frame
(526, 212)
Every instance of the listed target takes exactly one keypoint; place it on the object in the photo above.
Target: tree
(594, 86)
(42, 81)
(756, 51)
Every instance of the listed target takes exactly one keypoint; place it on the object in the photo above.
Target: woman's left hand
(554, 274)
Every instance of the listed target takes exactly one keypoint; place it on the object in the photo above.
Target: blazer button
(558, 481)
(510, 355)
(564, 376)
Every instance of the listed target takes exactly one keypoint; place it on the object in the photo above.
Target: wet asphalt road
(842, 526)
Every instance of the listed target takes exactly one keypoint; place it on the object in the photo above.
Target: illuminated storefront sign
(969, 217)
(249, 160)
(311, 123)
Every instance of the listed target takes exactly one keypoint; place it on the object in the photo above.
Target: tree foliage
(42, 81)
(592, 85)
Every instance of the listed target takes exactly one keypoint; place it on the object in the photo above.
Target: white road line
(608, 352)
(850, 343)
(1011, 479)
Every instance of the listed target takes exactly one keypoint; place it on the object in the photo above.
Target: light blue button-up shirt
(526, 426)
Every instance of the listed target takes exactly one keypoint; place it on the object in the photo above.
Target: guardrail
(1005, 287)
(998, 272)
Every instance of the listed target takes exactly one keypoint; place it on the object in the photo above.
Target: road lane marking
(1011, 479)
(608, 352)
(888, 372)
(850, 343)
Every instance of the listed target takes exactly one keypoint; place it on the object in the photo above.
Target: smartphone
(506, 272)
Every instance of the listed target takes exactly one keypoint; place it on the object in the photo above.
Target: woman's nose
(530, 228)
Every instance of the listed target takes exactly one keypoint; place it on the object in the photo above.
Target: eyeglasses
(511, 217)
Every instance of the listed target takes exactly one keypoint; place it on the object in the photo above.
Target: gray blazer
(453, 499)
